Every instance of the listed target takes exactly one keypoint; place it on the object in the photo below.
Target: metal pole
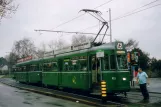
(98, 32)
(110, 25)
(9, 63)
(100, 69)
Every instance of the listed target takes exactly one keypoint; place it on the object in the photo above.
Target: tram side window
(106, 63)
(66, 66)
(75, 65)
(20, 69)
(41, 67)
(83, 63)
(24, 68)
(15, 70)
(54, 66)
(33, 68)
(112, 62)
(122, 61)
(36, 68)
(28, 68)
(47, 66)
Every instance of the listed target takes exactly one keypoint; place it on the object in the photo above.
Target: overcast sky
(144, 27)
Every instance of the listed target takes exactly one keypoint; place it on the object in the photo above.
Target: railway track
(64, 95)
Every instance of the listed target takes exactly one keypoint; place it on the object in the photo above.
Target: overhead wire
(138, 8)
(103, 4)
(80, 15)
(69, 20)
(128, 13)
(136, 12)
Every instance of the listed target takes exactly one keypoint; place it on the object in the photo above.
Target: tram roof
(106, 46)
(34, 61)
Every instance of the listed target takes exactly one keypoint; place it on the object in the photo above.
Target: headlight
(124, 79)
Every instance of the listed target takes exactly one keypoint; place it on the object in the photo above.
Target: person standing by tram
(142, 79)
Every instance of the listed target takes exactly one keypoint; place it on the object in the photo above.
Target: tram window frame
(66, 66)
(54, 68)
(33, 67)
(46, 66)
(15, 69)
(75, 64)
(20, 69)
(28, 68)
(81, 59)
(114, 60)
(67, 61)
(104, 64)
(122, 59)
(41, 67)
(24, 68)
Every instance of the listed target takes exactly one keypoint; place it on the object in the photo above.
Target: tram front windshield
(122, 62)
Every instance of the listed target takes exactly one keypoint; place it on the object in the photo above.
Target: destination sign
(121, 52)
(24, 59)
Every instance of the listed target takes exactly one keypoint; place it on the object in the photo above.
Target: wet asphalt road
(13, 97)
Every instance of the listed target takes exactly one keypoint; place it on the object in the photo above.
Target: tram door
(95, 69)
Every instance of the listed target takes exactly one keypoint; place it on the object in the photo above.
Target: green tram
(80, 68)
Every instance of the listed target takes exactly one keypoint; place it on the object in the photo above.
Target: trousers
(144, 91)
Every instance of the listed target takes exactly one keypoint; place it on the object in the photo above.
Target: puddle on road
(54, 104)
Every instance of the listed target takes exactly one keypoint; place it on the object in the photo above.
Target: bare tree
(24, 48)
(43, 47)
(77, 39)
(39, 53)
(57, 44)
(52, 44)
(11, 59)
(7, 7)
(131, 42)
(41, 50)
